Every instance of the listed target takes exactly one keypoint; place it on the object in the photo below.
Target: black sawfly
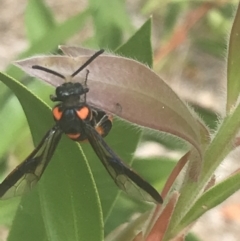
(80, 122)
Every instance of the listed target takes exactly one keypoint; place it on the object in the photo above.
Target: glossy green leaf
(233, 70)
(65, 201)
(28, 223)
(38, 20)
(139, 46)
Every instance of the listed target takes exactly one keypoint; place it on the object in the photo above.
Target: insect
(80, 122)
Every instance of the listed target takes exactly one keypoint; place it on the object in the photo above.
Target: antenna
(88, 62)
(94, 56)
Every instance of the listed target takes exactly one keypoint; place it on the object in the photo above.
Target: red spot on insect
(83, 113)
(57, 113)
(74, 136)
(99, 130)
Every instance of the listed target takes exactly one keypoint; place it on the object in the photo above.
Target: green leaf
(13, 126)
(110, 20)
(156, 169)
(8, 209)
(38, 20)
(66, 203)
(233, 70)
(17, 125)
(211, 199)
(139, 46)
(28, 223)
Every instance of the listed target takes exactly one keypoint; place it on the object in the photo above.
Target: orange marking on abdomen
(74, 136)
(57, 113)
(99, 130)
(83, 113)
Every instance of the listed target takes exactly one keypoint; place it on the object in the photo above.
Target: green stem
(213, 156)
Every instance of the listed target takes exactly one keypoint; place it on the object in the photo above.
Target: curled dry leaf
(125, 88)
(174, 174)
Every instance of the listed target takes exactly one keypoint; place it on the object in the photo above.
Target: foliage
(76, 197)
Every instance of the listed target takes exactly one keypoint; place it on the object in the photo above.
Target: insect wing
(26, 175)
(125, 178)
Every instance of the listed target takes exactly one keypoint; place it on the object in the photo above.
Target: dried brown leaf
(174, 174)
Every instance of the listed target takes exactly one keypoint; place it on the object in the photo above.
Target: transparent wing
(27, 174)
(125, 178)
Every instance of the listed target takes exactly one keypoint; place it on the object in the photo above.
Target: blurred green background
(189, 52)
